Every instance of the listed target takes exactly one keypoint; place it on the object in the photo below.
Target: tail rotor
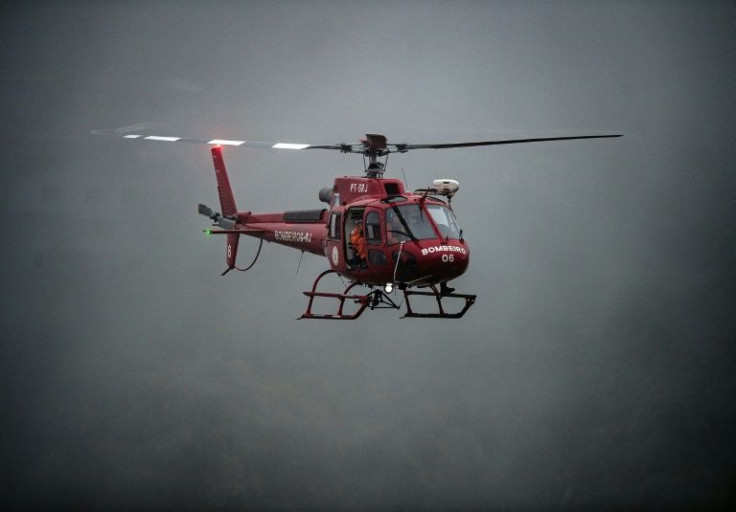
(218, 219)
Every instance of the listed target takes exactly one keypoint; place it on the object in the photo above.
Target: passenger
(357, 239)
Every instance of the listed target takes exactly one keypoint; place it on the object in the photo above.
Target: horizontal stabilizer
(226, 224)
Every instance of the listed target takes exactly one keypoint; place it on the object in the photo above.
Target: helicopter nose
(428, 262)
(447, 261)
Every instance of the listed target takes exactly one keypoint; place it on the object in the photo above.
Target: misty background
(596, 369)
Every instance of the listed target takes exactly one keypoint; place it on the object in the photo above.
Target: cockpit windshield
(408, 222)
(445, 220)
(411, 222)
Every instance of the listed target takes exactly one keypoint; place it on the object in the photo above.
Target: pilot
(396, 231)
(357, 239)
(413, 217)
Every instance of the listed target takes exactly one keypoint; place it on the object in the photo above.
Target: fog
(595, 370)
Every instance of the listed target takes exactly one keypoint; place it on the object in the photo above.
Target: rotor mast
(374, 146)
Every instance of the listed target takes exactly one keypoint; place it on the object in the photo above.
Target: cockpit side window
(373, 228)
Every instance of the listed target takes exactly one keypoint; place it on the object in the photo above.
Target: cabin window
(445, 221)
(376, 257)
(373, 228)
(335, 226)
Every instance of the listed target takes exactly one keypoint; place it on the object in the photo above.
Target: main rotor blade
(366, 147)
(139, 136)
(407, 147)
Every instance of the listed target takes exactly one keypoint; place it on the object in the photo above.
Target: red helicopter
(373, 232)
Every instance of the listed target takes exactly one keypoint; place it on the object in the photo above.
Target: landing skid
(438, 295)
(376, 299)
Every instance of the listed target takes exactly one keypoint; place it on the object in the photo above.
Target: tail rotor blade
(205, 210)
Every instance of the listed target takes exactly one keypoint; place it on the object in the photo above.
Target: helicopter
(376, 235)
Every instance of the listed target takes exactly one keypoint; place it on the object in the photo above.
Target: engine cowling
(325, 195)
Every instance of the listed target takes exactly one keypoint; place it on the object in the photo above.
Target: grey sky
(596, 368)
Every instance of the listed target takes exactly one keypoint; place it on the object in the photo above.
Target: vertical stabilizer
(227, 201)
(232, 250)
